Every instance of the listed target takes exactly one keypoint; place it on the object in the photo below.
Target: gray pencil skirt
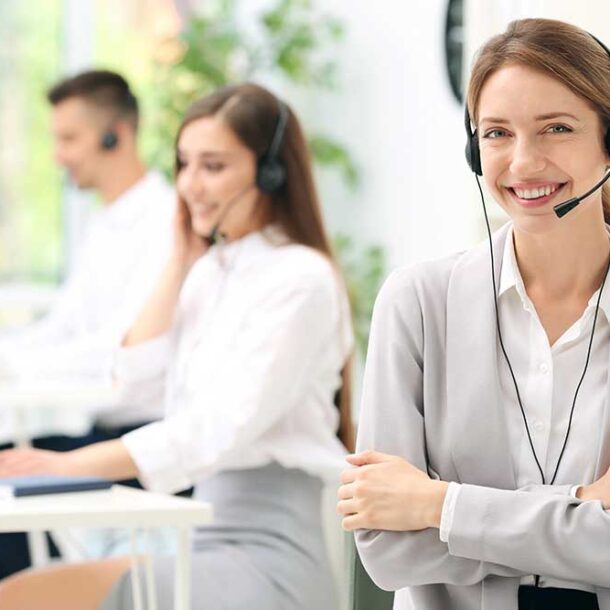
(264, 551)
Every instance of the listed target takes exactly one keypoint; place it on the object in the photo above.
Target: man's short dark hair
(102, 88)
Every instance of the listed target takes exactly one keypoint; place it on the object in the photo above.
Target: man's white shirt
(124, 249)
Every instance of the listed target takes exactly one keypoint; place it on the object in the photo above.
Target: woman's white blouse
(547, 377)
(249, 370)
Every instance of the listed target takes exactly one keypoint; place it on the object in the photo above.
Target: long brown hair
(252, 113)
(559, 49)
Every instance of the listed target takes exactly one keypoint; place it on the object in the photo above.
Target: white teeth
(542, 191)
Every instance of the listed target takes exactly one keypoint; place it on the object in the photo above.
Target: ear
(124, 131)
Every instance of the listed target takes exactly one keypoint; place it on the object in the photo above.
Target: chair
(364, 594)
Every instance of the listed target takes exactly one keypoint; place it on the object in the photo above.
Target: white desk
(64, 401)
(120, 507)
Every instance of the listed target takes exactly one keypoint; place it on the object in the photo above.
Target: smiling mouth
(536, 195)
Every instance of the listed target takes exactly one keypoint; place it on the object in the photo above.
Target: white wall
(485, 18)
(397, 115)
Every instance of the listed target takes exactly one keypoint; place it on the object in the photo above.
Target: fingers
(349, 475)
(358, 459)
(351, 507)
(182, 219)
(354, 474)
(346, 507)
(181, 208)
(351, 523)
(346, 491)
(347, 504)
(369, 457)
(180, 214)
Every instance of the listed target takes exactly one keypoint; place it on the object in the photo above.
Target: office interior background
(378, 87)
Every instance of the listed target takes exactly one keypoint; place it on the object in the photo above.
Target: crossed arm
(395, 508)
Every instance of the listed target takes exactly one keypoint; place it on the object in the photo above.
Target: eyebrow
(540, 117)
(207, 153)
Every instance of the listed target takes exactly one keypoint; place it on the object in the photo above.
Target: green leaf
(328, 153)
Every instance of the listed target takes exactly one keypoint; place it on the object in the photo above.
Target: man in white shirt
(95, 124)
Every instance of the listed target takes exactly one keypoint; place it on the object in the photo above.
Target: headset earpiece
(473, 155)
(270, 171)
(270, 174)
(110, 139)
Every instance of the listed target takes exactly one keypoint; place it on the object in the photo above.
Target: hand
(188, 246)
(600, 490)
(28, 461)
(386, 492)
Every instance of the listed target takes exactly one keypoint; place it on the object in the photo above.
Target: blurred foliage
(296, 42)
(364, 271)
(290, 39)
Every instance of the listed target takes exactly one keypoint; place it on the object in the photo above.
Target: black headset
(270, 171)
(110, 138)
(473, 154)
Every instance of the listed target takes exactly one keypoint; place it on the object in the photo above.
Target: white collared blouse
(248, 371)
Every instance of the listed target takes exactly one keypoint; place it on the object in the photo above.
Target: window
(30, 187)
(42, 41)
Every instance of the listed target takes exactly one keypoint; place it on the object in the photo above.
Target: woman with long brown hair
(483, 480)
(247, 335)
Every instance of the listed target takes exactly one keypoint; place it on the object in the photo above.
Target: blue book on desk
(17, 487)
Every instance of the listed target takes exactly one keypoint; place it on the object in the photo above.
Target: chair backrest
(364, 594)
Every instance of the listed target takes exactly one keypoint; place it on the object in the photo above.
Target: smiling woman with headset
(482, 480)
(248, 336)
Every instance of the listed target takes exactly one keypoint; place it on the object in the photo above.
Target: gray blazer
(431, 394)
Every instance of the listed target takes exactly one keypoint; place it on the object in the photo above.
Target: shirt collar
(510, 277)
(241, 252)
(509, 270)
